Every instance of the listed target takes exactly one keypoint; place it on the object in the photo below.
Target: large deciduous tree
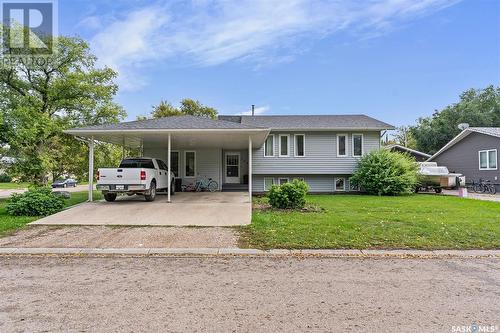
(187, 107)
(478, 108)
(40, 99)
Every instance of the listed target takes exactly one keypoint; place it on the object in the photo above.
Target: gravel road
(246, 294)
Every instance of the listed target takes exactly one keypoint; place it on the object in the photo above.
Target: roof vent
(463, 126)
(253, 110)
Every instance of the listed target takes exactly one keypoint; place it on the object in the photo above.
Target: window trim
(274, 150)
(335, 184)
(346, 145)
(362, 144)
(280, 178)
(185, 164)
(287, 145)
(295, 145)
(487, 151)
(273, 183)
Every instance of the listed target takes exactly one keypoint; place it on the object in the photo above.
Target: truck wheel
(152, 193)
(438, 190)
(109, 197)
(172, 188)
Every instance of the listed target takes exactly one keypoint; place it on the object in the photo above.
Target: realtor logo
(29, 27)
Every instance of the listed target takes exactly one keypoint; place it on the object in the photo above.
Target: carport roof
(185, 131)
(175, 123)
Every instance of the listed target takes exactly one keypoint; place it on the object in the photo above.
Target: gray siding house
(473, 153)
(252, 152)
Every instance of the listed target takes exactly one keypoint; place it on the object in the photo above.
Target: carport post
(168, 167)
(91, 168)
(250, 168)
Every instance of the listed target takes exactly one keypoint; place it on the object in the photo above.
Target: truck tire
(152, 193)
(172, 188)
(109, 197)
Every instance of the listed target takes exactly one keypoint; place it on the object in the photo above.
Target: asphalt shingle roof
(312, 122)
(317, 122)
(493, 131)
(174, 122)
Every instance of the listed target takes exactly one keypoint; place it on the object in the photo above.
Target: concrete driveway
(186, 209)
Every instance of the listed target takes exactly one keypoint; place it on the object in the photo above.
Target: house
(473, 153)
(252, 152)
(418, 155)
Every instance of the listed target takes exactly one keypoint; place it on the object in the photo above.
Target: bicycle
(487, 186)
(482, 187)
(206, 185)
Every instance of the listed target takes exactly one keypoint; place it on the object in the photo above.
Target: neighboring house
(321, 150)
(418, 155)
(473, 153)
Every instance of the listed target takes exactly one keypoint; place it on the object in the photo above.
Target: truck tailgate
(120, 176)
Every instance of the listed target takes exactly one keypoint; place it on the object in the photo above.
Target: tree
(195, 108)
(187, 107)
(165, 109)
(404, 137)
(478, 108)
(41, 99)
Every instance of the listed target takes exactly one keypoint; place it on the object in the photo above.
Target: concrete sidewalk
(252, 252)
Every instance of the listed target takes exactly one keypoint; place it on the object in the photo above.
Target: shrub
(384, 172)
(5, 178)
(289, 195)
(39, 201)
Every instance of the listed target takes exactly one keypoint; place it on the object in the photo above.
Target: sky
(394, 60)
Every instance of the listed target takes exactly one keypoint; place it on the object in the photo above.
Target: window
(145, 163)
(357, 144)
(300, 145)
(162, 165)
(268, 182)
(269, 146)
(283, 149)
(299, 178)
(283, 181)
(488, 159)
(174, 162)
(341, 144)
(353, 187)
(189, 164)
(339, 184)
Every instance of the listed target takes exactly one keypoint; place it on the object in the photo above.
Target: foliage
(41, 99)
(37, 201)
(383, 172)
(404, 137)
(9, 223)
(418, 221)
(289, 195)
(187, 107)
(5, 178)
(478, 108)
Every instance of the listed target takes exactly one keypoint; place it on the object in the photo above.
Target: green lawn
(9, 224)
(360, 221)
(11, 186)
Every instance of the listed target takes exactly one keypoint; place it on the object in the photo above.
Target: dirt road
(246, 294)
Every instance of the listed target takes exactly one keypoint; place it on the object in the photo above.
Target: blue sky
(395, 60)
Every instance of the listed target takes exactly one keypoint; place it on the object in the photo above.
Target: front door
(233, 168)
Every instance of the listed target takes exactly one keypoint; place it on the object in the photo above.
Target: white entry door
(233, 168)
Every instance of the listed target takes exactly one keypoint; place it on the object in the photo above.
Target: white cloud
(258, 110)
(210, 32)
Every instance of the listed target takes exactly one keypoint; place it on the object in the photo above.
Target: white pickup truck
(141, 176)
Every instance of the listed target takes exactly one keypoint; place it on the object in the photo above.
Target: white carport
(185, 131)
